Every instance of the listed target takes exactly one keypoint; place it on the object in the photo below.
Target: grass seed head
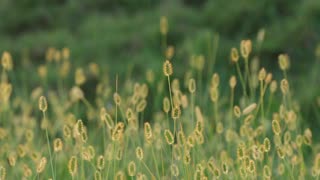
(249, 109)
(284, 62)
(57, 145)
(43, 105)
(139, 153)
(234, 55)
(174, 170)
(100, 162)
(167, 68)
(73, 166)
(192, 86)
(41, 165)
(132, 168)
(6, 61)
(163, 25)
(169, 136)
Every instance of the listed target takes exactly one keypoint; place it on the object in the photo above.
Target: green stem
(49, 149)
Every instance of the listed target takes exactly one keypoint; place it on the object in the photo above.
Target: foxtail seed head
(139, 153)
(245, 48)
(57, 145)
(100, 162)
(163, 25)
(233, 82)
(234, 55)
(249, 109)
(6, 61)
(43, 106)
(192, 86)
(41, 165)
(132, 168)
(284, 62)
(169, 136)
(276, 127)
(174, 170)
(167, 68)
(73, 166)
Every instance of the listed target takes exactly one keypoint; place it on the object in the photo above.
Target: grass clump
(190, 129)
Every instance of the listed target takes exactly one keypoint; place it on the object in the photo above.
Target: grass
(244, 126)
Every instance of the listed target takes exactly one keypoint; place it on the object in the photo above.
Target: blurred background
(123, 36)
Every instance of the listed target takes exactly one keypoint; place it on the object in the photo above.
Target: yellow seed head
(66, 131)
(80, 77)
(169, 136)
(266, 171)
(76, 94)
(219, 128)
(100, 162)
(181, 138)
(57, 56)
(249, 109)
(287, 137)
(166, 105)
(43, 106)
(57, 145)
(299, 140)
(214, 94)
(186, 157)
(163, 25)
(174, 170)
(176, 112)
(147, 130)
(79, 127)
(73, 166)
(233, 82)
(225, 168)
(284, 62)
(237, 111)
(117, 99)
(141, 105)
(139, 153)
(241, 151)
(119, 176)
(41, 165)
(276, 127)
(252, 166)
(266, 144)
(284, 86)
(248, 119)
(117, 133)
(65, 53)
(268, 78)
(234, 55)
(191, 140)
(280, 152)
(97, 175)
(273, 86)
(132, 168)
(245, 48)
(167, 68)
(192, 86)
(6, 61)
(12, 159)
(169, 52)
(262, 74)
(42, 71)
(27, 172)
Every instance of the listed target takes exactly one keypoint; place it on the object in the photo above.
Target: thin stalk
(49, 149)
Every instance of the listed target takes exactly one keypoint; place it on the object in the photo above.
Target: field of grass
(195, 124)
